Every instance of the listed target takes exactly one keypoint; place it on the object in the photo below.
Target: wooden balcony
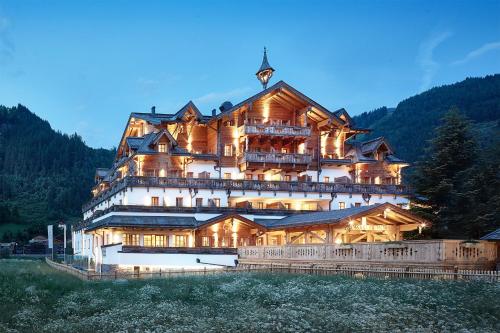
(244, 185)
(275, 158)
(274, 130)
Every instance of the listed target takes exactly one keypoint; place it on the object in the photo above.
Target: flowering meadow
(35, 298)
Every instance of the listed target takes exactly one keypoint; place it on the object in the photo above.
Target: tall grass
(35, 298)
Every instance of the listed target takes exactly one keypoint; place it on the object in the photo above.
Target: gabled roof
(189, 106)
(276, 86)
(143, 145)
(343, 112)
(494, 235)
(372, 145)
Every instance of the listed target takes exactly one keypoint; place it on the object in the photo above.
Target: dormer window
(162, 148)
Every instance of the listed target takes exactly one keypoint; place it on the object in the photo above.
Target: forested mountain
(45, 175)
(411, 124)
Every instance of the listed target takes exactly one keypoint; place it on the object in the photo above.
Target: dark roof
(372, 145)
(495, 235)
(394, 159)
(331, 216)
(158, 118)
(101, 172)
(144, 222)
(265, 64)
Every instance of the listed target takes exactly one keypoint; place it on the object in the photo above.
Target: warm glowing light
(216, 240)
(265, 110)
(351, 223)
(235, 239)
(162, 172)
(116, 238)
(363, 221)
(324, 138)
(386, 212)
(338, 144)
(338, 241)
(236, 136)
(302, 148)
(234, 227)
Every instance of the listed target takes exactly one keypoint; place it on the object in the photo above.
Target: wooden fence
(324, 270)
(436, 253)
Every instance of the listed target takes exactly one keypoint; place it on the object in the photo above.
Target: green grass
(34, 297)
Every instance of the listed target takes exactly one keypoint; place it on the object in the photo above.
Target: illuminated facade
(218, 181)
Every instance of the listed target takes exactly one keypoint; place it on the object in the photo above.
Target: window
(260, 176)
(162, 148)
(288, 206)
(199, 202)
(326, 179)
(148, 240)
(205, 241)
(248, 176)
(180, 240)
(260, 205)
(357, 204)
(287, 178)
(341, 205)
(155, 201)
(284, 150)
(215, 202)
(190, 175)
(160, 240)
(228, 150)
(130, 239)
(178, 202)
(227, 175)
(108, 239)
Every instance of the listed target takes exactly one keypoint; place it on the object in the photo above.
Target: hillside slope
(45, 175)
(411, 124)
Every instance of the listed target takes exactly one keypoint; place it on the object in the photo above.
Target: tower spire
(265, 71)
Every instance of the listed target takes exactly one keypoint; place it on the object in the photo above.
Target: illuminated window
(341, 205)
(160, 240)
(189, 175)
(228, 150)
(326, 179)
(205, 241)
(148, 240)
(162, 148)
(178, 202)
(130, 239)
(248, 176)
(357, 204)
(288, 206)
(227, 175)
(287, 178)
(199, 202)
(260, 205)
(180, 240)
(260, 176)
(284, 150)
(155, 201)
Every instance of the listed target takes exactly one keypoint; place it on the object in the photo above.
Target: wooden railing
(275, 158)
(449, 252)
(244, 185)
(277, 130)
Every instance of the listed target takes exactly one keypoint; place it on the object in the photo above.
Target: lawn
(34, 297)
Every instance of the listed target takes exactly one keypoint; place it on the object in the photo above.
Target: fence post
(455, 271)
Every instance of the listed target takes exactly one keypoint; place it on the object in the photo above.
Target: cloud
(478, 52)
(220, 97)
(426, 60)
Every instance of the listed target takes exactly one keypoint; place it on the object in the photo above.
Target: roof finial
(265, 71)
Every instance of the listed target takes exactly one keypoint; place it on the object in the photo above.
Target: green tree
(442, 176)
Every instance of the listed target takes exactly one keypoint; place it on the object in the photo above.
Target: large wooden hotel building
(189, 189)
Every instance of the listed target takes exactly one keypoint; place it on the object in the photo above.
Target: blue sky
(85, 65)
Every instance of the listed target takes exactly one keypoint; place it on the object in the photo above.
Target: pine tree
(442, 175)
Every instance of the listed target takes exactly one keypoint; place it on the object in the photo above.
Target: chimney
(153, 109)
(214, 112)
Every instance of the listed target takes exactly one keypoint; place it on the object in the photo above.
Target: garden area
(35, 297)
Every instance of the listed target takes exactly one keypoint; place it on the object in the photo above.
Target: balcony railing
(277, 130)
(275, 158)
(244, 185)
